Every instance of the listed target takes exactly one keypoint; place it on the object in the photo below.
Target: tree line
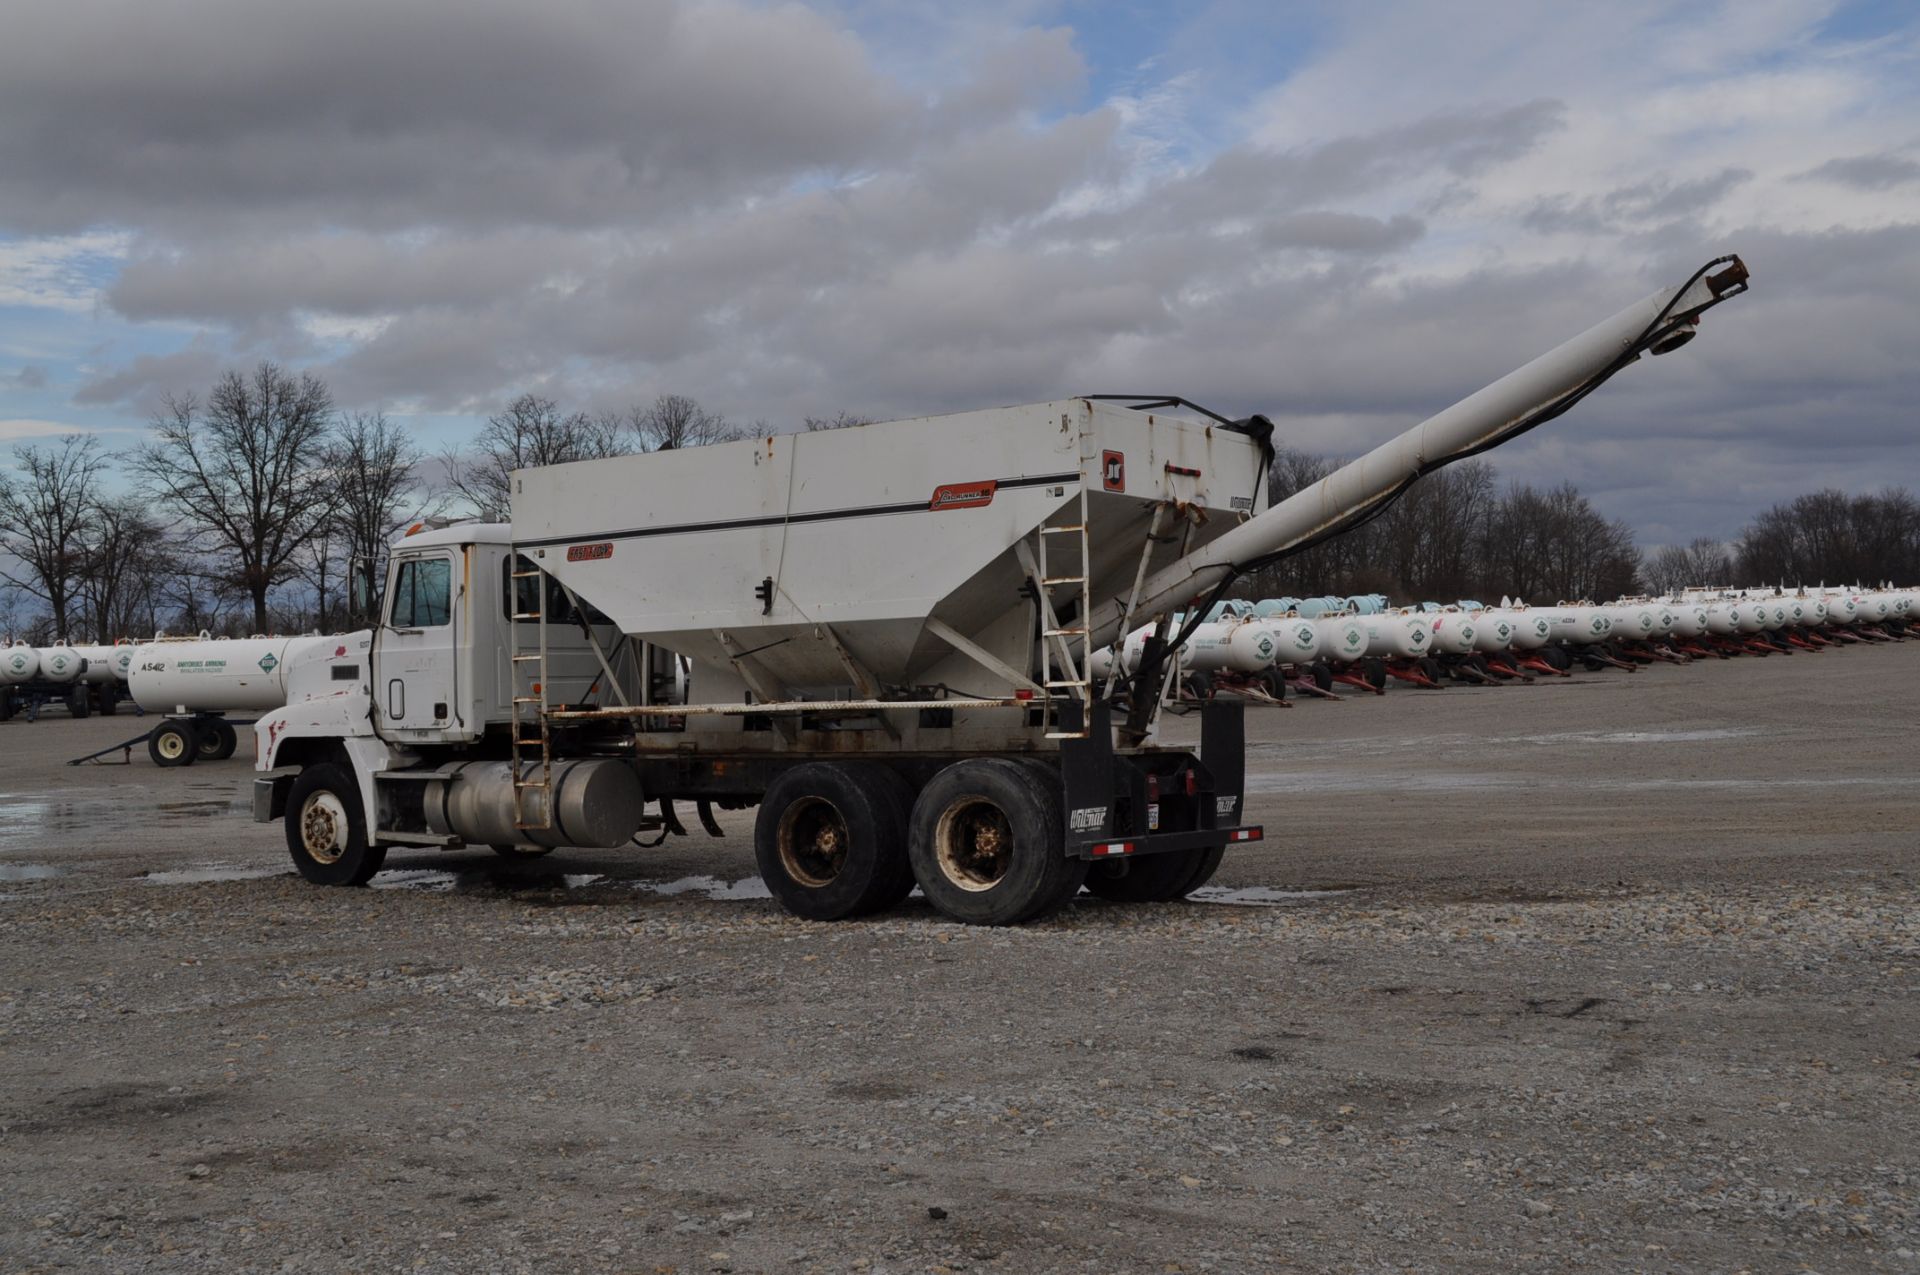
(1459, 533)
(244, 508)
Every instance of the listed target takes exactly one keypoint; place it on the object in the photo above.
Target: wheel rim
(209, 744)
(323, 827)
(171, 745)
(813, 842)
(973, 843)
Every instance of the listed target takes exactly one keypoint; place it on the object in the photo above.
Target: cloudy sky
(1346, 215)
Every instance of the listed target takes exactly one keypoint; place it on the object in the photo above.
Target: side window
(422, 594)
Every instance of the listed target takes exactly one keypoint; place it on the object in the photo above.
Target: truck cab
(384, 714)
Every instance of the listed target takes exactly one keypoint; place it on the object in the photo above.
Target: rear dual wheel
(1157, 878)
(831, 840)
(988, 842)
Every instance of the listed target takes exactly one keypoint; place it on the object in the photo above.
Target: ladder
(532, 738)
(1068, 670)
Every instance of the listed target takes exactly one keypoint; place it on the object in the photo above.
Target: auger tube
(1486, 418)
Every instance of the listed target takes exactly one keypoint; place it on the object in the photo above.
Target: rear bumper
(1167, 842)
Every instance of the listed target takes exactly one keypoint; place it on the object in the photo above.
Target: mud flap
(1223, 751)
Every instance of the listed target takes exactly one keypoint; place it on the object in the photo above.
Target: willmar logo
(963, 495)
(1113, 471)
(590, 553)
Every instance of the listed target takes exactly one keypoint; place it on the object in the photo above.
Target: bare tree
(1831, 536)
(244, 477)
(1703, 561)
(373, 466)
(531, 431)
(45, 517)
(839, 420)
(127, 552)
(675, 421)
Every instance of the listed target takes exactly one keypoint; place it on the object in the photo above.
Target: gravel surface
(1614, 973)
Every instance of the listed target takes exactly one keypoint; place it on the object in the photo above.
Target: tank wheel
(173, 743)
(1274, 683)
(327, 830)
(218, 739)
(830, 840)
(1557, 657)
(1200, 685)
(6, 705)
(109, 702)
(988, 843)
(1373, 671)
(1435, 671)
(1323, 676)
(522, 852)
(79, 702)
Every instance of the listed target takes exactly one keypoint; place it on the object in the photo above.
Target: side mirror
(361, 590)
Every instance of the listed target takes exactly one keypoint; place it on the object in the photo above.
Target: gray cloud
(1867, 172)
(439, 205)
(30, 377)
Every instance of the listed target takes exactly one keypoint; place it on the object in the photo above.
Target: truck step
(528, 615)
(1061, 531)
(1064, 580)
(1065, 633)
(527, 575)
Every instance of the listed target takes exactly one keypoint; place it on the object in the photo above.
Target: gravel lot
(1615, 973)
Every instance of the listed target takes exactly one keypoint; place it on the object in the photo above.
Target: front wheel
(988, 843)
(173, 743)
(327, 830)
(79, 702)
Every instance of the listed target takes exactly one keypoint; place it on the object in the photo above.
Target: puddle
(1259, 896)
(710, 887)
(30, 872)
(203, 873)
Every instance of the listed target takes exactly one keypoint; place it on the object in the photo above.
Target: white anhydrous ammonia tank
(60, 663)
(1634, 622)
(19, 663)
(1531, 629)
(1874, 607)
(99, 658)
(213, 676)
(1297, 641)
(1492, 630)
(1401, 635)
(1244, 646)
(1453, 632)
(1343, 638)
(1841, 609)
(1689, 619)
(1582, 625)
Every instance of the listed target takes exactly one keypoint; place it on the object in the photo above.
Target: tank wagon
(889, 631)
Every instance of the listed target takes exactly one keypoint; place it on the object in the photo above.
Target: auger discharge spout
(1529, 396)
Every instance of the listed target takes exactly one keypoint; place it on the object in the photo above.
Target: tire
(1154, 878)
(1374, 672)
(1557, 657)
(218, 739)
(6, 705)
(988, 844)
(1435, 671)
(173, 743)
(1274, 682)
(109, 702)
(1200, 685)
(1323, 676)
(79, 703)
(830, 840)
(327, 829)
(1076, 873)
(522, 852)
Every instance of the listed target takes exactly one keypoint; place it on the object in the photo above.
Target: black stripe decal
(775, 520)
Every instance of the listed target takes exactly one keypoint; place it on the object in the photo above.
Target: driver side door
(416, 693)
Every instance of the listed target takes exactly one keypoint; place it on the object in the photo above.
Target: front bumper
(270, 797)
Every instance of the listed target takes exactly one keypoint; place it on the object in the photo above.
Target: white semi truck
(882, 637)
